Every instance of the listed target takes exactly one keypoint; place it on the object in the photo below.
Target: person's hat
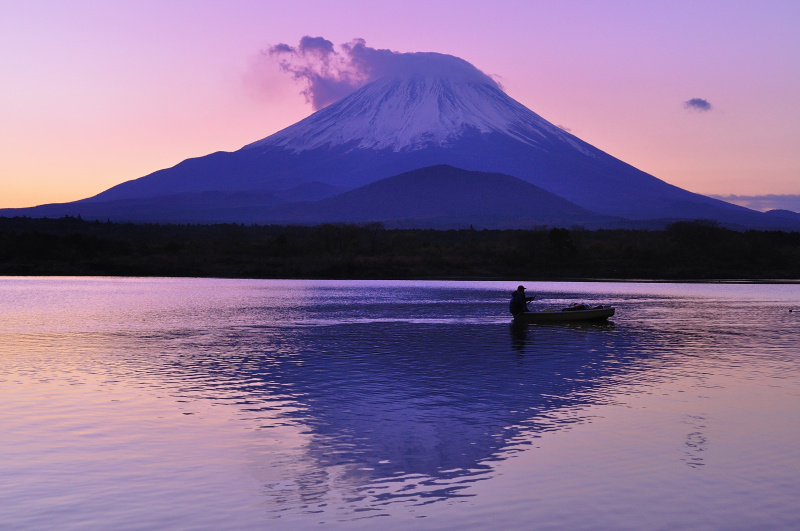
(521, 288)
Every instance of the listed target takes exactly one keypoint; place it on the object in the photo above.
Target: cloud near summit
(328, 75)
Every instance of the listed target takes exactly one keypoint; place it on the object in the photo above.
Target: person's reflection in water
(519, 336)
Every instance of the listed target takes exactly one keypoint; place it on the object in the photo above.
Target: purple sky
(96, 93)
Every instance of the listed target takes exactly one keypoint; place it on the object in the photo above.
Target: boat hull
(595, 314)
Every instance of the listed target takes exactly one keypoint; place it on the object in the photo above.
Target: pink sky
(96, 93)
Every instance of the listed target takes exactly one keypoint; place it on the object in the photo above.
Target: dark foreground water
(239, 404)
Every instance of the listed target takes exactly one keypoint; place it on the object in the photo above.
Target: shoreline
(684, 252)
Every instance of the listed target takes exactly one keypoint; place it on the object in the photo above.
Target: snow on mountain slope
(414, 112)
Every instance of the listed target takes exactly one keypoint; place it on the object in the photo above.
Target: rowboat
(558, 316)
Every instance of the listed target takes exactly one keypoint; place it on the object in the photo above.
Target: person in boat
(519, 302)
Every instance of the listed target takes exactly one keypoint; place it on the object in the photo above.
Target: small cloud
(281, 48)
(564, 128)
(697, 104)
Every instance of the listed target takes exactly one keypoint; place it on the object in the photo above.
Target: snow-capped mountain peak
(406, 113)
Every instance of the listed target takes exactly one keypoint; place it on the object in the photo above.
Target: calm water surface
(245, 404)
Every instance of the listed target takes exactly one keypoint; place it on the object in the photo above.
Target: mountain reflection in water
(383, 401)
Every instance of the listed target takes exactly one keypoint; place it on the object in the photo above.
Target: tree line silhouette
(685, 250)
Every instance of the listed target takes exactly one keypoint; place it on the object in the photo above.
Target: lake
(133, 403)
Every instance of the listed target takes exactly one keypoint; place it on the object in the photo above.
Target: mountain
(443, 197)
(445, 113)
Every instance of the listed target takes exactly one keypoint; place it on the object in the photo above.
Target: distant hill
(443, 197)
(783, 214)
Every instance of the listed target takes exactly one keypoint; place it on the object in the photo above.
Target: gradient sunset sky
(94, 93)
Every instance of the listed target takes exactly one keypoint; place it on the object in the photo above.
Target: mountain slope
(412, 114)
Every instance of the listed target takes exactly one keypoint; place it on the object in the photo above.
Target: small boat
(557, 316)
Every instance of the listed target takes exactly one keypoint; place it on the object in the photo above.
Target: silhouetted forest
(683, 251)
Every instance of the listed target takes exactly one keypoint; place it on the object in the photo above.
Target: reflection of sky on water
(366, 396)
